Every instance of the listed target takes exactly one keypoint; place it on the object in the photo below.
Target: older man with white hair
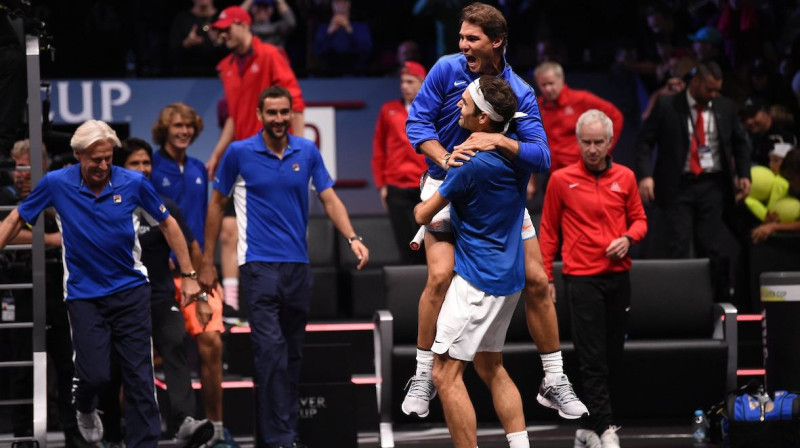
(105, 284)
(593, 211)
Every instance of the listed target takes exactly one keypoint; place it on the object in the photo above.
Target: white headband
(475, 92)
(477, 96)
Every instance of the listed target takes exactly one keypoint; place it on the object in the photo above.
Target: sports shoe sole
(403, 408)
(549, 404)
(201, 435)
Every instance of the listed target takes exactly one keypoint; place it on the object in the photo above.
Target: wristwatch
(203, 297)
(192, 275)
(445, 159)
(353, 238)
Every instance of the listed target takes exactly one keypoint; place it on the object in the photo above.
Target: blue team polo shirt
(188, 188)
(485, 196)
(271, 196)
(434, 114)
(99, 234)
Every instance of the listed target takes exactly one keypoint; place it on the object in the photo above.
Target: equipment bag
(754, 420)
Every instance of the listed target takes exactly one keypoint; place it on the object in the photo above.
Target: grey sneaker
(586, 438)
(90, 425)
(609, 438)
(420, 393)
(561, 397)
(194, 433)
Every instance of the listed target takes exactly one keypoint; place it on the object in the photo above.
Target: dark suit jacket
(667, 129)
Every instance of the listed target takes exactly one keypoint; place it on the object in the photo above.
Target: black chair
(680, 354)
(363, 289)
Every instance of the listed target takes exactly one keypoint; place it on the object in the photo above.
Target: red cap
(231, 15)
(414, 69)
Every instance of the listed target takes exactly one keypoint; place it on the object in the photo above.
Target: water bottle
(700, 427)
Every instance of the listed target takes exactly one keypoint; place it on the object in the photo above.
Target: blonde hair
(549, 66)
(161, 127)
(91, 132)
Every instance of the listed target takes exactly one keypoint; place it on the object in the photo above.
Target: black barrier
(780, 301)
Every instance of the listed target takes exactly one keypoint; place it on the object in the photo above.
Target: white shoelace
(420, 388)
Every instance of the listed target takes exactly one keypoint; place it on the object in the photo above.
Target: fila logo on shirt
(117, 199)
(615, 187)
(165, 182)
(296, 166)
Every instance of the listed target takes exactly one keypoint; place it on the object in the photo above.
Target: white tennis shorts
(472, 321)
(441, 221)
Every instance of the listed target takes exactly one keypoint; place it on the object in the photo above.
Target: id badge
(704, 154)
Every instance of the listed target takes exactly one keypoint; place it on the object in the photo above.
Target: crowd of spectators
(139, 37)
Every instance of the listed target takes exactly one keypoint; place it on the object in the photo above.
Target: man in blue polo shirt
(268, 176)
(106, 287)
(489, 269)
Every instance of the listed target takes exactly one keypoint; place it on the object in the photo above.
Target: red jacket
(560, 117)
(394, 161)
(587, 213)
(264, 68)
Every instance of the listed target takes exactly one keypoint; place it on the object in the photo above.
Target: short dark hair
(706, 69)
(273, 92)
(790, 166)
(498, 93)
(130, 146)
(489, 18)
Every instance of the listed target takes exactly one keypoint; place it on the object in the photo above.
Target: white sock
(219, 434)
(230, 289)
(553, 365)
(518, 440)
(424, 363)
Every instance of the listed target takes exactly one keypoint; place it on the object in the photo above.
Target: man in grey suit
(701, 169)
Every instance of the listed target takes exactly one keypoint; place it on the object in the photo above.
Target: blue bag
(756, 420)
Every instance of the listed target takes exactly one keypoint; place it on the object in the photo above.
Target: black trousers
(696, 217)
(401, 202)
(169, 331)
(599, 309)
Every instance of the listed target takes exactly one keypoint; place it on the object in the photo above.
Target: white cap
(781, 149)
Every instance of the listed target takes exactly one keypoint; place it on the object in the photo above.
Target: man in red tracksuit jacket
(594, 208)
(560, 107)
(396, 166)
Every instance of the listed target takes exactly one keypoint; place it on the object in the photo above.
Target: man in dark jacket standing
(702, 168)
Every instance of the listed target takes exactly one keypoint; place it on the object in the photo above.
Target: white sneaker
(586, 438)
(561, 397)
(609, 438)
(194, 433)
(90, 425)
(420, 393)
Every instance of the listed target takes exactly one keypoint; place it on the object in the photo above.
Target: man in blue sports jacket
(433, 129)
(106, 287)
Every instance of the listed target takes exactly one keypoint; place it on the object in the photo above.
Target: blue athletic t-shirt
(271, 196)
(102, 255)
(187, 187)
(486, 217)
